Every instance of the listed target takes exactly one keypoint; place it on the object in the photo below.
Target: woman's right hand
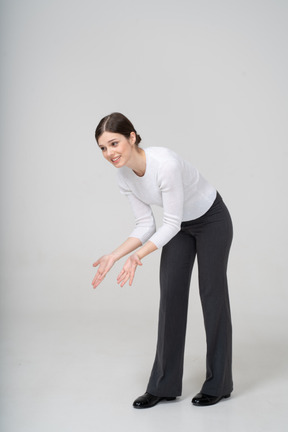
(105, 263)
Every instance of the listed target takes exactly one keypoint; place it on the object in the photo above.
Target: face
(116, 148)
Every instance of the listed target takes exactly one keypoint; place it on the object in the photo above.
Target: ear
(132, 138)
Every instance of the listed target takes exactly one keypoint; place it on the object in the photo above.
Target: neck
(138, 162)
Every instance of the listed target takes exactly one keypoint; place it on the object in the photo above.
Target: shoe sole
(213, 403)
(152, 405)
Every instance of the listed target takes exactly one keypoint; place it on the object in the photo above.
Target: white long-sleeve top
(170, 182)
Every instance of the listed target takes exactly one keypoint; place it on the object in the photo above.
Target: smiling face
(117, 149)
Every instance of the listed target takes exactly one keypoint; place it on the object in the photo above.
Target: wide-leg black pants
(209, 238)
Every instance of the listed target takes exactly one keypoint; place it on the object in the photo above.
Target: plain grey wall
(205, 78)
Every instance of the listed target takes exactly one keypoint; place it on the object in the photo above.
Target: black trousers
(209, 238)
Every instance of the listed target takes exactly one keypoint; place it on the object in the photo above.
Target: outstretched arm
(106, 262)
(133, 261)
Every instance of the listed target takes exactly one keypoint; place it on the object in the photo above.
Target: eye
(114, 143)
(102, 149)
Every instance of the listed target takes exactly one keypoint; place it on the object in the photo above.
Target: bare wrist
(115, 256)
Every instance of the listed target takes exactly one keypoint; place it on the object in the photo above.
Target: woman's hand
(128, 270)
(105, 263)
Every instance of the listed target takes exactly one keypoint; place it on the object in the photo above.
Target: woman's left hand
(128, 270)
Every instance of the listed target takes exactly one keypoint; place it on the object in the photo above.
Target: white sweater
(170, 182)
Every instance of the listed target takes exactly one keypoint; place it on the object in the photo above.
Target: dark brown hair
(117, 123)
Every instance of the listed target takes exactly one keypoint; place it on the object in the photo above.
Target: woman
(195, 222)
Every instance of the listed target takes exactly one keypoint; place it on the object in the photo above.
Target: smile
(115, 159)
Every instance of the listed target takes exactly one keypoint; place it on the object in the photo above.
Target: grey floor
(70, 371)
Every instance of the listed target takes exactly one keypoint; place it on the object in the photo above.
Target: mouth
(116, 159)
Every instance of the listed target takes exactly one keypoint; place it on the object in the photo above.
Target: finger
(132, 276)
(123, 275)
(99, 276)
(94, 280)
(96, 263)
(102, 271)
(97, 281)
(125, 280)
(120, 275)
(96, 277)
(96, 284)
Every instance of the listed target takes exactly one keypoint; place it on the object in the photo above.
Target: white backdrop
(205, 78)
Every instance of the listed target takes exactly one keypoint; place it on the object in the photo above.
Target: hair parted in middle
(117, 123)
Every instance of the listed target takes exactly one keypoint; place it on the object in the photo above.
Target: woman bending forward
(195, 222)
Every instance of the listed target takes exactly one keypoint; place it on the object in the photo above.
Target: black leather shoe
(202, 399)
(148, 401)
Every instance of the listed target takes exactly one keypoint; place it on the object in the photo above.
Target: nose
(110, 152)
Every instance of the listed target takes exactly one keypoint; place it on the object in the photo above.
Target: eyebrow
(108, 142)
